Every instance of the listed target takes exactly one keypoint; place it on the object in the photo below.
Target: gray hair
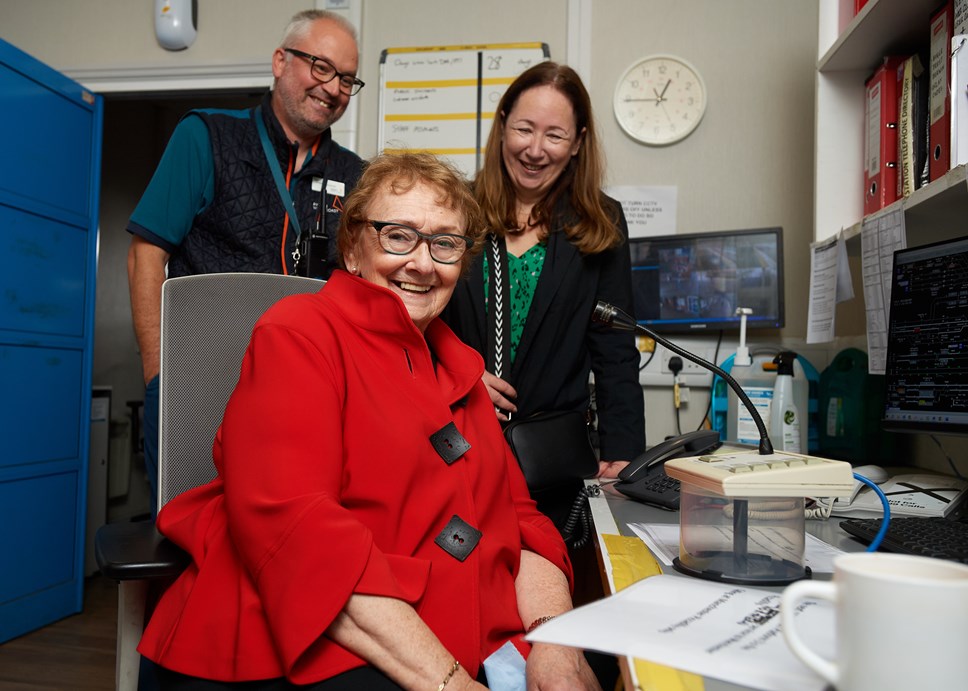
(300, 23)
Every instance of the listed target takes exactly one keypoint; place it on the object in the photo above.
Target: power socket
(657, 373)
(688, 366)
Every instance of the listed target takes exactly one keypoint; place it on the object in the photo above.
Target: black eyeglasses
(323, 71)
(396, 238)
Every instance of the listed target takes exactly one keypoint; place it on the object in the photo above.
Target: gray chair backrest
(206, 323)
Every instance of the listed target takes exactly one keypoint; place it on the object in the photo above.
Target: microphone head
(612, 316)
(604, 313)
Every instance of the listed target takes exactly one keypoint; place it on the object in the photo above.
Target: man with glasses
(255, 190)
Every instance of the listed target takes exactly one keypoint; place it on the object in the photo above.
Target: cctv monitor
(695, 282)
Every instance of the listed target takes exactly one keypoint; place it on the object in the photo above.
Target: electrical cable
(647, 361)
(824, 507)
(675, 366)
(820, 512)
(768, 510)
(951, 461)
(876, 542)
(709, 403)
(580, 517)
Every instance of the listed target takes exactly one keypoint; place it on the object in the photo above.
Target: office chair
(206, 323)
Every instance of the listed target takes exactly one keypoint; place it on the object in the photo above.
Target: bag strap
(273, 162)
(498, 358)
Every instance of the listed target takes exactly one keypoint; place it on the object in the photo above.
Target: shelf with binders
(931, 213)
(849, 50)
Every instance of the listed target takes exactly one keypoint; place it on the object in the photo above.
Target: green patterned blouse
(523, 273)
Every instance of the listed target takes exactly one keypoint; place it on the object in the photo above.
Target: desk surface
(613, 513)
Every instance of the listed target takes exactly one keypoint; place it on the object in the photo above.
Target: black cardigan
(560, 345)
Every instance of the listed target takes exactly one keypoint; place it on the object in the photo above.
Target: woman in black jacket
(556, 246)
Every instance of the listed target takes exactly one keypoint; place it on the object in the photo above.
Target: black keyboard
(927, 537)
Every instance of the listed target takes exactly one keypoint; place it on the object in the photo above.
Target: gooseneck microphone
(617, 319)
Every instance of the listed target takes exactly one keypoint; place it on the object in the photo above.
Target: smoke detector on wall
(175, 22)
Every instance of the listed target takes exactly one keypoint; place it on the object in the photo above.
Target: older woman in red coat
(368, 527)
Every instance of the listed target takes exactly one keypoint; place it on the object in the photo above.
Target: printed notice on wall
(648, 210)
(830, 283)
(880, 237)
(721, 631)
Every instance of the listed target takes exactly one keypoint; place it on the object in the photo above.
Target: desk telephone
(644, 478)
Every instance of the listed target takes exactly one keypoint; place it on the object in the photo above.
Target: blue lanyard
(276, 172)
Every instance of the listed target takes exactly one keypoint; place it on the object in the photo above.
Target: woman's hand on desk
(502, 395)
(610, 469)
(559, 668)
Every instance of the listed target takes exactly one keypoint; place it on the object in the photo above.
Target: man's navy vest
(241, 230)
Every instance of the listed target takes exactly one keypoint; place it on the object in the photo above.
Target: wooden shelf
(880, 28)
(933, 212)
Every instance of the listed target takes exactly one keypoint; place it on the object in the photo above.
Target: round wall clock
(659, 100)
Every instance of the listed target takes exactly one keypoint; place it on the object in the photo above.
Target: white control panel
(780, 474)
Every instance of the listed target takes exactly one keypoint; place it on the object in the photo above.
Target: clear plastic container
(745, 540)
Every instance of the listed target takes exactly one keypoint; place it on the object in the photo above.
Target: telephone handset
(644, 480)
(690, 444)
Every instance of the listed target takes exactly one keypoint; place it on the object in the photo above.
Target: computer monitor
(694, 282)
(926, 372)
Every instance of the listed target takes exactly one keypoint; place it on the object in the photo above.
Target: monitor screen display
(695, 282)
(926, 371)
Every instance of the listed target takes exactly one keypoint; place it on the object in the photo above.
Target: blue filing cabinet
(50, 149)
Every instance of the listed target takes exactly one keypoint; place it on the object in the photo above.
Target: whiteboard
(441, 99)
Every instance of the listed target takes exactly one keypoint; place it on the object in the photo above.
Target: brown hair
(594, 230)
(399, 173)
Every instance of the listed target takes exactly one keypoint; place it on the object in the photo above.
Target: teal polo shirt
(182, 186)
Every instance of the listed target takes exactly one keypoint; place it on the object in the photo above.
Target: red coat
(328, 485)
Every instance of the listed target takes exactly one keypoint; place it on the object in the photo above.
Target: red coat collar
(375, 309)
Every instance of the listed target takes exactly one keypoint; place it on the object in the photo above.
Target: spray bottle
(784, 415)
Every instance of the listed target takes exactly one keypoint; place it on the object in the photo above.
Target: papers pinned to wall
(649, 211)
(880, 237)
(830, 283)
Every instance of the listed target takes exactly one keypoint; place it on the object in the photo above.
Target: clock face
(659, 100)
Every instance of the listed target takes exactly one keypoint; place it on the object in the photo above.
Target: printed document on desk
(720, 631)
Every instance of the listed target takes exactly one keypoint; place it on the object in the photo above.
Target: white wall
(71, 35)
(749, 163)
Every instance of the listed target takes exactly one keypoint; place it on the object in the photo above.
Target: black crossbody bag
(553, 448)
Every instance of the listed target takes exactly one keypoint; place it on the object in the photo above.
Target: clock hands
(668, 117)
(659, 98)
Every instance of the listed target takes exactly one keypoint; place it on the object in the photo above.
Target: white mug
(902, 623)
